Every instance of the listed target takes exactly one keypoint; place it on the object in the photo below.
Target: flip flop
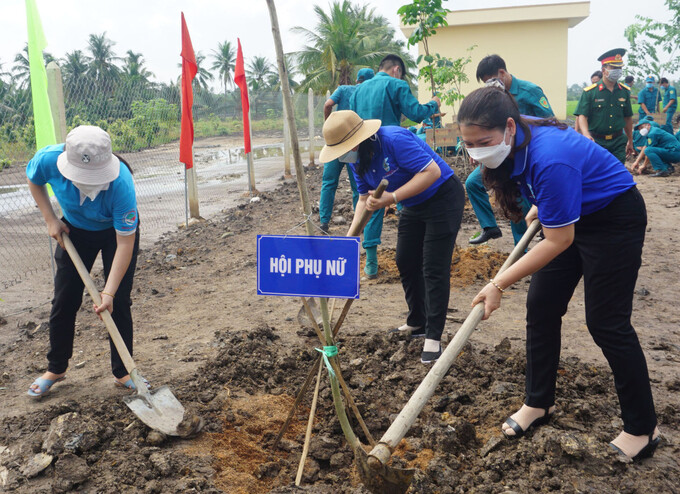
(129, 384)
(44, 386)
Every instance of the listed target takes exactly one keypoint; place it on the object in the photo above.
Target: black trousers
(607, 253)
(68, 296)
(425, 240)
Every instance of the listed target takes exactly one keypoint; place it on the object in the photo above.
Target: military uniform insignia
(649, 142)
(544, 102)
(622, 99)
(624, 86)
(590, 87)
(386, 165)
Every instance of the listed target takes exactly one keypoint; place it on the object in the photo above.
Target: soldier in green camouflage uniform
(604, 111)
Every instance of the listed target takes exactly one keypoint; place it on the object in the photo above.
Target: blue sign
(308, 266)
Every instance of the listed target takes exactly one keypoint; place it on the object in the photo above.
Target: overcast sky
(152, 27)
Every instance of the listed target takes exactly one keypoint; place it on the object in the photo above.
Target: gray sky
(152, 27)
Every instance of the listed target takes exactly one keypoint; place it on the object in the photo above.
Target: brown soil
(469, 265)
(238, 360)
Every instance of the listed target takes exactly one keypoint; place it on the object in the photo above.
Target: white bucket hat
(343, 131)
(87, 157)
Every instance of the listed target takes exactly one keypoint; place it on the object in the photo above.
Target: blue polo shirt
(659, 138)
(670, 94)
(115, 207)
(530, 98)
(567, 175)
(398, 155)
(385, 97)
(650, 99)
(342, 95)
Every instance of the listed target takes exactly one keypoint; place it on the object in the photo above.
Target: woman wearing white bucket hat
(433, 200)
(97, 196)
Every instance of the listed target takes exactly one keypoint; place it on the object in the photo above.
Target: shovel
(376, 475)
(159, 409)
(303, 317)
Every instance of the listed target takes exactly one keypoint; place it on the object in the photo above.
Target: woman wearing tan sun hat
(433, 200)
(96, 194)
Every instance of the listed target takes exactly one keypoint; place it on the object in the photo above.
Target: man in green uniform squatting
(604, 110)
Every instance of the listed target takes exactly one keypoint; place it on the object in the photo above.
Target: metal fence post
(310, 117)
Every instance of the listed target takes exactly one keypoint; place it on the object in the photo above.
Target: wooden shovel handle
(94, 294)
(366, 214)
(383, 450)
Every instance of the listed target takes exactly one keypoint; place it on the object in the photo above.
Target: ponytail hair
(122, 160)
(490, 107)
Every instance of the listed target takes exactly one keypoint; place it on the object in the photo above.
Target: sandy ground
(196, 308)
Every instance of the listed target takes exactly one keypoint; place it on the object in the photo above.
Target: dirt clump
(468, 265)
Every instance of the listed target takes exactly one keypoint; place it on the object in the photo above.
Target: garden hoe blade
(159, 409)
(384, 479)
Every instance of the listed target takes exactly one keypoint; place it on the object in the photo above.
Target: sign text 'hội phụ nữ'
(308, 266)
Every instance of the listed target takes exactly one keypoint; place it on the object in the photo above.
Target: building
(531, 39)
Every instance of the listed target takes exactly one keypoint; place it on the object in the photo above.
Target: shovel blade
(159, 409)
(384, 480)
(303, 317)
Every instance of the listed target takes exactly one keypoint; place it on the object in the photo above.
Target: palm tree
(134, 69)
(225, 58)
(22, 67)
(344, 40)
(259, 71)
(102, 68)
(74, 70)
(202, 74)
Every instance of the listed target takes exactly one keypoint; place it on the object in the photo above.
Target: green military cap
(646, 120)
(613, 57)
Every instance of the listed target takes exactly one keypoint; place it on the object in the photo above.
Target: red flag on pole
(189, 69)
(240, 81)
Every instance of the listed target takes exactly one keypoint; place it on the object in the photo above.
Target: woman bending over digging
(432, 199)
(97, 197)
(594, 221)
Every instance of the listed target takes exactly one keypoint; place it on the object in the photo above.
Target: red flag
(240, 81)
(189, 69)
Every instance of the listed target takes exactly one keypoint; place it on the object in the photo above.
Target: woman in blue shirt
(97, 198)
(594, 222)
(432, 198)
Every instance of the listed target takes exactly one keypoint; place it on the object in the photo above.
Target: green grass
(572, 104)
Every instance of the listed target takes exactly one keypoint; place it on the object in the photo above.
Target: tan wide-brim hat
(343, 131)
(87, 157)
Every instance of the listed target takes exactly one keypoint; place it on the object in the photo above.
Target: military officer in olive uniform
(604, 110)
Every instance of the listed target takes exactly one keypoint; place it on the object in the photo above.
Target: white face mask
(349, 157)
(90, 191)
(614, 74)
(491, 156)
(644, 132)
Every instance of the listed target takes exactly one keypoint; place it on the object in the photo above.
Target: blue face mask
(649, 85)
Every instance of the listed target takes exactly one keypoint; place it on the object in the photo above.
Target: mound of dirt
(468, 265)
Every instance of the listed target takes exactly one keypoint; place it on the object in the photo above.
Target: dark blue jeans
(68, 296)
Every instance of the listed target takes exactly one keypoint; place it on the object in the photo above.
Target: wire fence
(143, 121)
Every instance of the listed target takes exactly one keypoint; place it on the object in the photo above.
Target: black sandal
(519, 432)
(646, 452)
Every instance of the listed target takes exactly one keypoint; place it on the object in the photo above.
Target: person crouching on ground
(432, 199)
(661, 148)
(594, 221)
(97, 197)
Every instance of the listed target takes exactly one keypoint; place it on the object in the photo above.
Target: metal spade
(159, 409)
